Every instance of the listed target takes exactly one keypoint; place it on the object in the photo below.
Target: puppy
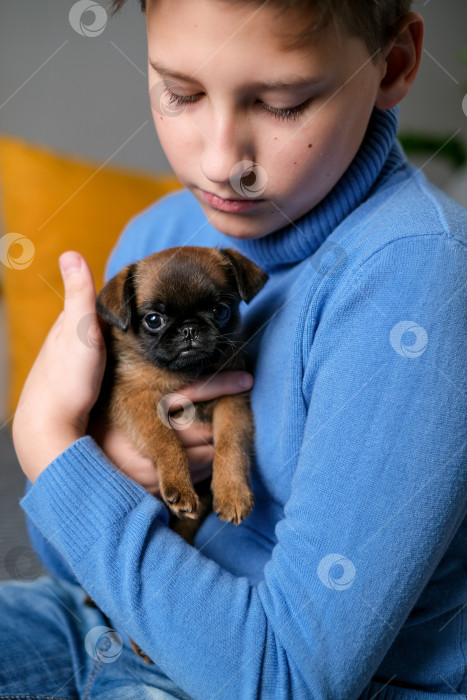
(174, 316)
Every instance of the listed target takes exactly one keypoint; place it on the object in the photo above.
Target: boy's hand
(197, 438)
(64, 382)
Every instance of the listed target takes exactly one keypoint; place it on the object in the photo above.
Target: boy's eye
(181, 100)
(286, 113)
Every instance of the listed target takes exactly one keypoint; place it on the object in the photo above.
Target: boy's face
(235, 89)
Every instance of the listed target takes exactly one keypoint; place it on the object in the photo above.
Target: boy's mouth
(230, 205)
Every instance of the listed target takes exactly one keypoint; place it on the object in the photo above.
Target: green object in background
(451, 150)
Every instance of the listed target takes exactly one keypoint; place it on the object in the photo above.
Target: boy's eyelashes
(284, 113)
(181, 100)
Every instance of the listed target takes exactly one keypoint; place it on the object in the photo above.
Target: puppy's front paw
(182, 500)
(233, 505)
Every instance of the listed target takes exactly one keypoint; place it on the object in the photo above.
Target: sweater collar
(378, 155)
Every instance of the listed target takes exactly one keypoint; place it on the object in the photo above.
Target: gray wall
(88, 95)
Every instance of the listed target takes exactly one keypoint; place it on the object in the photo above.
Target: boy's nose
(225, 146)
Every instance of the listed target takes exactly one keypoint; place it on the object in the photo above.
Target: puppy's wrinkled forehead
(181, 277)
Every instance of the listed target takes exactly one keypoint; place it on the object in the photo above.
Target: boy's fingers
(199, 435)
(213, 386)
(80, 293)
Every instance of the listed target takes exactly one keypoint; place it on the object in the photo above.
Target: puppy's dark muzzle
(190, 340)
(190, 332)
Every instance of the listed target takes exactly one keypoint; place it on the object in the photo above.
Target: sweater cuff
(81, 494)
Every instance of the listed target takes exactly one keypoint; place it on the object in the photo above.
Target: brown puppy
(175, 315)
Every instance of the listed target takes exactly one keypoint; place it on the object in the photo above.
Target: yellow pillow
(50, 203)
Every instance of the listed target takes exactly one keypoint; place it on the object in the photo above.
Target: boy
(348, 579)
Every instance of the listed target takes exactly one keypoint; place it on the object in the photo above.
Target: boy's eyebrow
(293, 81)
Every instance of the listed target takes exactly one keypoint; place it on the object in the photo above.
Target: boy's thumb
(78, 281)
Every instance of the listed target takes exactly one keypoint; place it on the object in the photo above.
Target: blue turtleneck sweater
(349, 578)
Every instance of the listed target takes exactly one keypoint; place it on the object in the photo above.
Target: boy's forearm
(51, 560)
(117, 537)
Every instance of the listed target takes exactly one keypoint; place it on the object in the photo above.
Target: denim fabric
(52, 645)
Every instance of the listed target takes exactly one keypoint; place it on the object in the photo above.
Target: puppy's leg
(186, 528)
(171, 460)
(161, 444)
(233, 441)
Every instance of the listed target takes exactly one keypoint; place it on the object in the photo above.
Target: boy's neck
(377, 155)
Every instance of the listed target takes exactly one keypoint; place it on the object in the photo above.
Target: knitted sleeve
(45, 550)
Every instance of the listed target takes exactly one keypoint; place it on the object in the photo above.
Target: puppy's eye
(221, 313)
(153, 322)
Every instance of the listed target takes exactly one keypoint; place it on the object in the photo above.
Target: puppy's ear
(250, 278)
(116, 299)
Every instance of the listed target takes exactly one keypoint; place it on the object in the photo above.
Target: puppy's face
(179, 308)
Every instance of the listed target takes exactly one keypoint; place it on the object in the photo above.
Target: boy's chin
(241, 226)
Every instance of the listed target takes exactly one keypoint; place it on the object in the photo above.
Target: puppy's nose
(189, 332)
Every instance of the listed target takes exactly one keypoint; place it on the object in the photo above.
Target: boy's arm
(49, 556)
(379, 490)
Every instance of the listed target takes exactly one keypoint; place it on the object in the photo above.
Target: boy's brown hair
(373, 21)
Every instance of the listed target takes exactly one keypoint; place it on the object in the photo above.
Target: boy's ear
(402, 59)
(115, 300)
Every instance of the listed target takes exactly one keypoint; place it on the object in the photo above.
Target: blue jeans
(53, 645)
